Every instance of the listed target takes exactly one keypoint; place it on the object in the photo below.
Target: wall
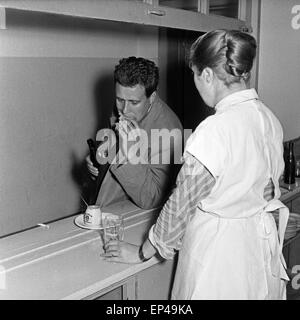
(279, 63)
(56, 90)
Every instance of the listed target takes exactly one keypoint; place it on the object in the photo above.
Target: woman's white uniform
(232, 248)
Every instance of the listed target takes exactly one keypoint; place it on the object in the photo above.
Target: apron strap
(277, 269)
(283, 218)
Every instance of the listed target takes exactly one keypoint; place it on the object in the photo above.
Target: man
(139, 107)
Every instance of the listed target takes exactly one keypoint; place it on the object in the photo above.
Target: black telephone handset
(92, 147)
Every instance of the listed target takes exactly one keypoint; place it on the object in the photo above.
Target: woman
(219, 216)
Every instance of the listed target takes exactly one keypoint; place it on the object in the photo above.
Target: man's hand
(122, 252)
(131, 135)
(126, 129)
(92, 170)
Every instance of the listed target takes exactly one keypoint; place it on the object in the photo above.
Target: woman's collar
(236, 98)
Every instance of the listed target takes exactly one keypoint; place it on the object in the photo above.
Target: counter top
(62, 261)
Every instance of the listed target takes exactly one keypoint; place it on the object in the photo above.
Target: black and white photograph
(150, 152)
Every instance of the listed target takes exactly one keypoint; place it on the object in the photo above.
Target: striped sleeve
(194, 183)
(269, 191)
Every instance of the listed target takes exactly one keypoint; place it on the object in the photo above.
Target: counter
(62, 261)
(290, 191)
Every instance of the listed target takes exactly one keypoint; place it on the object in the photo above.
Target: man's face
(132, 102)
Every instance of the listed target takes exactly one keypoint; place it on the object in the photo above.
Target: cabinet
(236, 9)
(227, 8)
(153, 283)
(124, 290)
(190, 5)
(187, 15)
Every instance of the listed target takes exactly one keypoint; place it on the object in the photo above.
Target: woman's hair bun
(240, 53)
(230, 53)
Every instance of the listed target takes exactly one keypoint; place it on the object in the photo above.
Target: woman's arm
(194, 183)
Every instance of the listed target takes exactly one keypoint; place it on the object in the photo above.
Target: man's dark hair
(132, 71)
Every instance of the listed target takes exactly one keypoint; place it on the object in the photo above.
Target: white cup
(92, 216)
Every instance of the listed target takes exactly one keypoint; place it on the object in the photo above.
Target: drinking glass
(113, 228)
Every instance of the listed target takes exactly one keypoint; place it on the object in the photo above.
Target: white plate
(80, 223)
